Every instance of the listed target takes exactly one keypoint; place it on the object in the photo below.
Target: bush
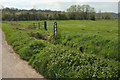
(32, 48)
(58, 38)
(39, 34)
(57, 62)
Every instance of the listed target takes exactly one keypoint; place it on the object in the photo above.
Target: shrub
(32, 48)
(57, 62)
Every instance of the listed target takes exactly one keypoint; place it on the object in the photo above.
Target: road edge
(0, 53)
(0, 42)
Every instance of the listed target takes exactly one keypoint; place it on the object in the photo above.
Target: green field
(81, 49)
(103, 28)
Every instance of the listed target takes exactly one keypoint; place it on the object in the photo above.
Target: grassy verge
(59, 60)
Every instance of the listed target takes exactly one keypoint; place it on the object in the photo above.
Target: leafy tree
(80, 12)
(92, 16)
(107, 15)
(72, 8)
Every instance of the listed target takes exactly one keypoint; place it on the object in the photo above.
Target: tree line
(74, 12)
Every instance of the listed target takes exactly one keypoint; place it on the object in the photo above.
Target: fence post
(39, 25)
(45, 25)
(55, 28)
(34, 25)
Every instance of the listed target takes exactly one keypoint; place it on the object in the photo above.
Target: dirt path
(13, 66)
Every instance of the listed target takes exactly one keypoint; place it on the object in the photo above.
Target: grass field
(104, 28)
(81, 49)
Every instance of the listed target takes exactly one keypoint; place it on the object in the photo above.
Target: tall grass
(81, 49)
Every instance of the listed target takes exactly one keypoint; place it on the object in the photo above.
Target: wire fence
(43, 25)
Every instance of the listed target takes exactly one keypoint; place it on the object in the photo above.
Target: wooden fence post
(45, 25)
(34, 25)
(39, 25)
(55, 28)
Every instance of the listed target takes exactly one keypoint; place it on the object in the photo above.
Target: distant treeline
(74, 12)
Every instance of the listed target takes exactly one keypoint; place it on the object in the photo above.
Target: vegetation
(74, 12)
(77, 12)
(106, 15)
(81, 49)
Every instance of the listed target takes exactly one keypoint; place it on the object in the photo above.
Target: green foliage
(107, 15)
(74, 12)
(24, 42)
(57, 38)
(92, 16)
(58, 62)
(81, 49)
(93, 45)
(78, 12)
(39, 34)
(32, 48)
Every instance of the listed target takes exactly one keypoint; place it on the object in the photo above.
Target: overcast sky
(103, 5)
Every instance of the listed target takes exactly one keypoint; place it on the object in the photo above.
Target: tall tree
(80, 12)
(107, 15)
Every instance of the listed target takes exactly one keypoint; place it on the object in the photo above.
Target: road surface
(12, 65)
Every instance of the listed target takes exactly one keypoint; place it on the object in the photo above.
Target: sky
(61, 5)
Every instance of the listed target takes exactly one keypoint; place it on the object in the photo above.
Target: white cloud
(46, 1)
(97, 0)
(59, 4)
